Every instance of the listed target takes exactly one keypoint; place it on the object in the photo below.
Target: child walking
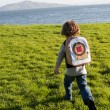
(71, 29)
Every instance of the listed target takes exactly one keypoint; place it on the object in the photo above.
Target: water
(81, 14)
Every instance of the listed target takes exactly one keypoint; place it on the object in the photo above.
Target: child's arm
(60, 57)
(56, 70)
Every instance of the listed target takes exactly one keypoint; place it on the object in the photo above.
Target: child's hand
(56, 71)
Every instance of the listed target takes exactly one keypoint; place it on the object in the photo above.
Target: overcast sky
(73, 2)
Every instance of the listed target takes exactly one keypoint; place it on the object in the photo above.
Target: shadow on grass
(34, 103)
(105, 71)
(11, 108)
(46, 101)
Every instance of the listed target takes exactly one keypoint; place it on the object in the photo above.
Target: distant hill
(25, 5)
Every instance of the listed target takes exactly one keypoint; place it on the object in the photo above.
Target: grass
(27, 59)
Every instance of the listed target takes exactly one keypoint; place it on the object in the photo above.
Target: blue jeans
(82, 84)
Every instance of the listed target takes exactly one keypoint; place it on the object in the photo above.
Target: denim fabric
(82, 84)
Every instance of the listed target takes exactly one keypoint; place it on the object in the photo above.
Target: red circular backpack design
(78, 48)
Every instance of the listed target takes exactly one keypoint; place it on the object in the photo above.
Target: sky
(72, 2)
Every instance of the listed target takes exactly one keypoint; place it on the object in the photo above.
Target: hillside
(27, 59)
(28, 5)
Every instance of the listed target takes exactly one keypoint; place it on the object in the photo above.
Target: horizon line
(80, 4)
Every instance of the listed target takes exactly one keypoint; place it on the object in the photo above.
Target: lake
(81, 14)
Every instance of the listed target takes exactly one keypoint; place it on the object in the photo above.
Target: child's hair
(70, 28)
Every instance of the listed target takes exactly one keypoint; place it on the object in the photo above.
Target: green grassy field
(27, 58)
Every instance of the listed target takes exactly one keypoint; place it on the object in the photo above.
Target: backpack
(77, 51)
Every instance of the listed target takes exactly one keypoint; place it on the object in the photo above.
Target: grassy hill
(27, 59)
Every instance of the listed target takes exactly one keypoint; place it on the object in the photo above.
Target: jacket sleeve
(61, 55)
